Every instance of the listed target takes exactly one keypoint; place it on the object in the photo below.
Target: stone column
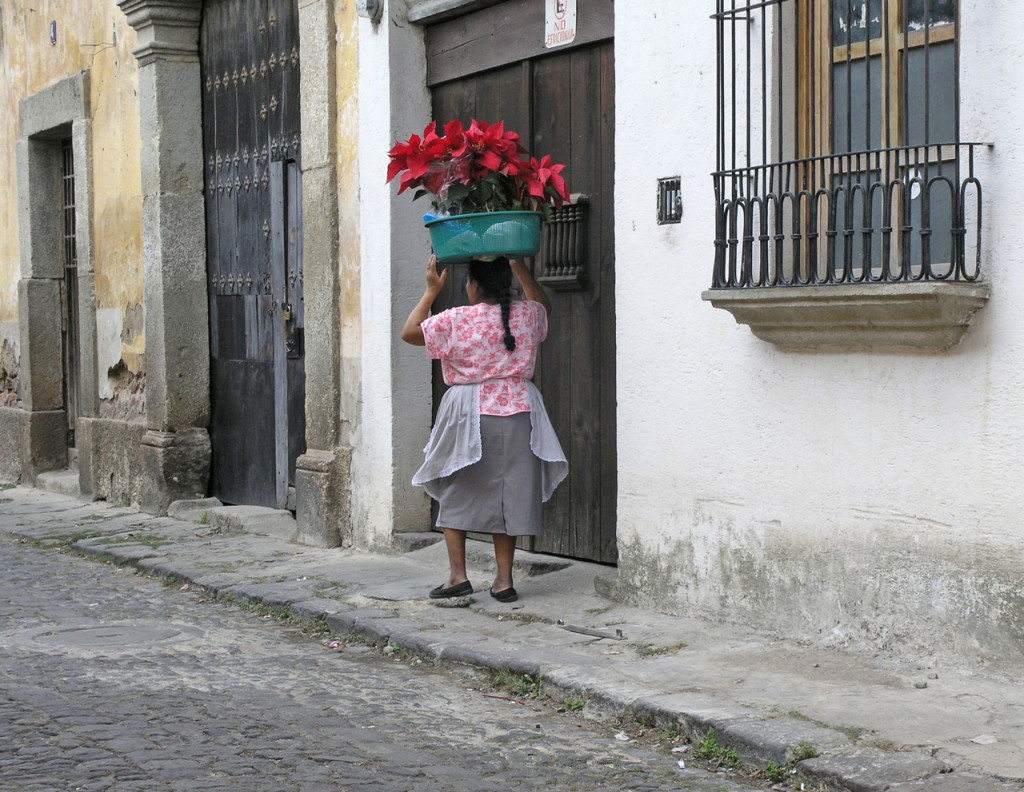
(176, 447)
(321, 474)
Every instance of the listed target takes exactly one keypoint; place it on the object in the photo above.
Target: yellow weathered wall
(92, 35)
(117, 180)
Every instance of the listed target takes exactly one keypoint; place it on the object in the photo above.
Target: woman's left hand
(435, 282)
(412, 333)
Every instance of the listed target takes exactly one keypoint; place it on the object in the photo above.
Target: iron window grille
(69, 290)
(839, 159)
(670, 200)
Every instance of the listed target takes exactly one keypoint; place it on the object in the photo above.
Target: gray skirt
(502, 492)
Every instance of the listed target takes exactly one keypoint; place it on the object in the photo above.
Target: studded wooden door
(252, 145)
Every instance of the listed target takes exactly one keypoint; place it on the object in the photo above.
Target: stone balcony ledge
(926, 316)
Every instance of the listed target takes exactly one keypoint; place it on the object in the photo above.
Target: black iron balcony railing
(839, 157)
(841, 219)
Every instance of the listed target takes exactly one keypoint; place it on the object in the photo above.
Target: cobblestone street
(111, 680)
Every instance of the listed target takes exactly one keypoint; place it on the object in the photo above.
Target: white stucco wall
(394, 419)
(869, 499)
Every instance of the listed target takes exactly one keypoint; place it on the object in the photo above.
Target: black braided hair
(495, 281)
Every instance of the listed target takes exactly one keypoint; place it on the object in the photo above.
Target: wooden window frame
(815, 135)
(815, 84)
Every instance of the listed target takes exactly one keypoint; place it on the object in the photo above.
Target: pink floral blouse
(468, 342)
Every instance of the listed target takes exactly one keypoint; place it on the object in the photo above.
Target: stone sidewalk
(840, 721)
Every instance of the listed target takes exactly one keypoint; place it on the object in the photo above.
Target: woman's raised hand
(412, 333)
(435, 282)
(531, 288)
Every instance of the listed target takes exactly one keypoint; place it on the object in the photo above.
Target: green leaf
(458, 192)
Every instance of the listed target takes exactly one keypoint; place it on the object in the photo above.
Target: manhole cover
(110, 635)
(106, 638)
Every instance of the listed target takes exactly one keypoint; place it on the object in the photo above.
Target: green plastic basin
(464, 237)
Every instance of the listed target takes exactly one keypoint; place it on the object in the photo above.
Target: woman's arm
(530, 286)
(412, 333)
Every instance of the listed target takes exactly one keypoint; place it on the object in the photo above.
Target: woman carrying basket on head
(493, 455)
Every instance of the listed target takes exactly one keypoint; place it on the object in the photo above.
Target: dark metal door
(563, 105)
(250, 59)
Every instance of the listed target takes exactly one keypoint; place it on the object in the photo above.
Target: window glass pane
(939, 86)
(935, 220)
(853, 127)
(930, 13)
(855, 20)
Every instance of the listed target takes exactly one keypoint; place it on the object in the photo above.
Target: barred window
(839, 156)
(70, 323)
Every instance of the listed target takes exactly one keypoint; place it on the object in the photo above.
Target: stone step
(61, 482)
(410, 542)
(279, 523)
(196, 510)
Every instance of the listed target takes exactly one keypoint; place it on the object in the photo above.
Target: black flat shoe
(462, 589)
(505, 595)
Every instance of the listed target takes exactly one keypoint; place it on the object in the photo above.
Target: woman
(493, 456)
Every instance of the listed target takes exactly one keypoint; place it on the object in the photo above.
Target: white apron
(455, 440)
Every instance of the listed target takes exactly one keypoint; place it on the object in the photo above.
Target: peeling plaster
(129, 394)
(95, 37)
(10, 333)
(133, 338)
(108, 348)
(10, 362)
(120, 362)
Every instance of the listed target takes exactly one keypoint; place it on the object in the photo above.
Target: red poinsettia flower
(435, 180)
(400, 154)
(407, 181)
(492, 146)
(461, 170)
(544, 173)
(453, 144)
(486, 163)
(415, 156)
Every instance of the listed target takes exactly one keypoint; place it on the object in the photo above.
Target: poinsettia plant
(480, 169)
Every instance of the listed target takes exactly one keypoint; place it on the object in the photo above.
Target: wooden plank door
(249, 51)
(563, 104)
